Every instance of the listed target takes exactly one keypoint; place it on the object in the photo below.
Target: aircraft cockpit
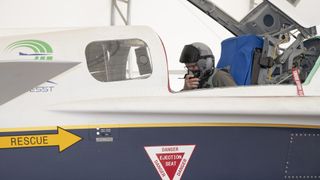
(269, 46)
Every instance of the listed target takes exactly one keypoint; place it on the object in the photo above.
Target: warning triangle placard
(170, 161)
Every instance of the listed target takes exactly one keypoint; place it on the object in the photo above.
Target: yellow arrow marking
(63, 139)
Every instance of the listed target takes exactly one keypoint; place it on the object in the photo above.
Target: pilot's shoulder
(223, 78)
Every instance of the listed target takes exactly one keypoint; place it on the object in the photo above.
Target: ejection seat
(240, 56)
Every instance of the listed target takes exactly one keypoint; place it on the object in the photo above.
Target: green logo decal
(41, 50)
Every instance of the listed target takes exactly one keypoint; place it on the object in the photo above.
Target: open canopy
(300, 11)
(260, 17)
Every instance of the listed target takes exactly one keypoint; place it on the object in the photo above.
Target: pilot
(199, 61)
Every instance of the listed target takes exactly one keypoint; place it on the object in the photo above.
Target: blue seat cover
(237, 55)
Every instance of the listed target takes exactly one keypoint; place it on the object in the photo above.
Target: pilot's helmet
(192, 53)
(198, 53)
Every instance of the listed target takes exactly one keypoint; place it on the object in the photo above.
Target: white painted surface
(176, 21)
(79, 99)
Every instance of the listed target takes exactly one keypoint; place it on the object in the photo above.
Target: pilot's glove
(190, 82)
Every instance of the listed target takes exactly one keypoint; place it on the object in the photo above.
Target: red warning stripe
(295, 74)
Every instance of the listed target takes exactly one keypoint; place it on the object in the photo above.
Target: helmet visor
(189, 54)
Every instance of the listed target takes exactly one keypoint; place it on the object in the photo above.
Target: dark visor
(189, 54)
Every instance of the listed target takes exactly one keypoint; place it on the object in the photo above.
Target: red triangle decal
(170, 162)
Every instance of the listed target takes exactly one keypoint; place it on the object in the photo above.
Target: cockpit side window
(118, 60)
